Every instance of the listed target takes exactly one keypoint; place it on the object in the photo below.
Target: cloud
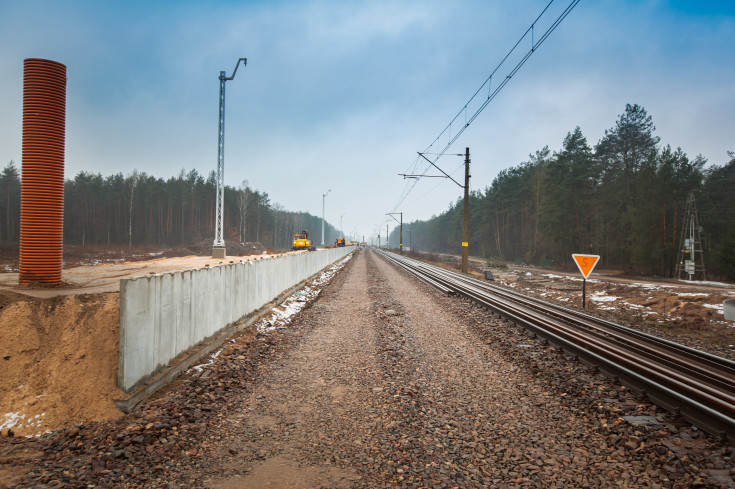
(341, 95)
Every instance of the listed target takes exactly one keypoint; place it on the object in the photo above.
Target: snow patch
(719, 307)
(12, 419)
(589, 280)
(201, 366)
(653, 286)
(21, 421)
(701, 282)
(602, 297)
(282, 315)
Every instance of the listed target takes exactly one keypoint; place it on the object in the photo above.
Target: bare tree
(243, 199)
(278, 218)
(133, 181)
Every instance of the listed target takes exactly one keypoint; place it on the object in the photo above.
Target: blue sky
(341, 95)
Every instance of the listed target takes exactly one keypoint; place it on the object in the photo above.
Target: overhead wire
(461, 166)
(491, 95)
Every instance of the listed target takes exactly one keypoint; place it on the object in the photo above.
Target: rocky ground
(381, 383)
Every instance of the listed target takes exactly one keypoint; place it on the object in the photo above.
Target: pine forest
(623, 199)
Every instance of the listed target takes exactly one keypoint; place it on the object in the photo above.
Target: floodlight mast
(218, 247)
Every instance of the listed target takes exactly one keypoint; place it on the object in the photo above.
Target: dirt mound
(59, 361)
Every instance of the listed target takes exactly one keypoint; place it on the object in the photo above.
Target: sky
(340, 96)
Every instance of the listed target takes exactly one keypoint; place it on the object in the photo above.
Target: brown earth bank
(58, 361)
(381, 382)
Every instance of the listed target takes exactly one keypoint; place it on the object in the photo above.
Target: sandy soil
(59, 361)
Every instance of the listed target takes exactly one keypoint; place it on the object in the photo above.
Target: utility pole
(387, 237)
(324, 196)
(218, 247)
(400, 237)
(466, 223)
(466, 187)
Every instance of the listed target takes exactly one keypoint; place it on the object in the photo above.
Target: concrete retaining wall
(162, 316)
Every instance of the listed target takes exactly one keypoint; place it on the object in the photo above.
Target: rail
(696, 385)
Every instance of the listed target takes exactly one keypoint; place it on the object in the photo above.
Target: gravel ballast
(382, 382)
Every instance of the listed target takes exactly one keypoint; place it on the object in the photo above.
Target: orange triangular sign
(586, 263)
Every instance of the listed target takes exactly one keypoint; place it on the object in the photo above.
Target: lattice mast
(690, 261)
(218, 247)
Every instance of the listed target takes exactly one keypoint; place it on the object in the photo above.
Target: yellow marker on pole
(464, 244)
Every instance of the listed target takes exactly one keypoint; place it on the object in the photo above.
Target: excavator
(302, 241)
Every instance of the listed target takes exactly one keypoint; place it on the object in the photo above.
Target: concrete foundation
(728, 307)
(162, 316)
(218, 252)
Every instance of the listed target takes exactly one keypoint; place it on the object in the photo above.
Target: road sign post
(585, 263)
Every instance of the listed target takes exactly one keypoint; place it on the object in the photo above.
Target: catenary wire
(491, 94)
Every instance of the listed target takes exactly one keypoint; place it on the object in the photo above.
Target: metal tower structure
(218, 247)
(691, 253)
(466, 207)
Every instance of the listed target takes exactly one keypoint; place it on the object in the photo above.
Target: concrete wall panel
(162, 316)
(165, 330)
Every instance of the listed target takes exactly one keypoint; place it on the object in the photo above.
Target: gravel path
(384, 383)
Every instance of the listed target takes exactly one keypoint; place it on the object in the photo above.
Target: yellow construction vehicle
(302, 241)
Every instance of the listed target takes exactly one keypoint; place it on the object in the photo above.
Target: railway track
(696, 385)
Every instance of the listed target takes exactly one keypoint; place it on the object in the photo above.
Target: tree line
(142, 210)
(625, 199)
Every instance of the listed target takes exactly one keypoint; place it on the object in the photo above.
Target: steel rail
(719, 363)
(438, 286)
(710, 368)
(697, 385)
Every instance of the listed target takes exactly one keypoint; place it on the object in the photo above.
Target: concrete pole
(465, 224)
(401, 236)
